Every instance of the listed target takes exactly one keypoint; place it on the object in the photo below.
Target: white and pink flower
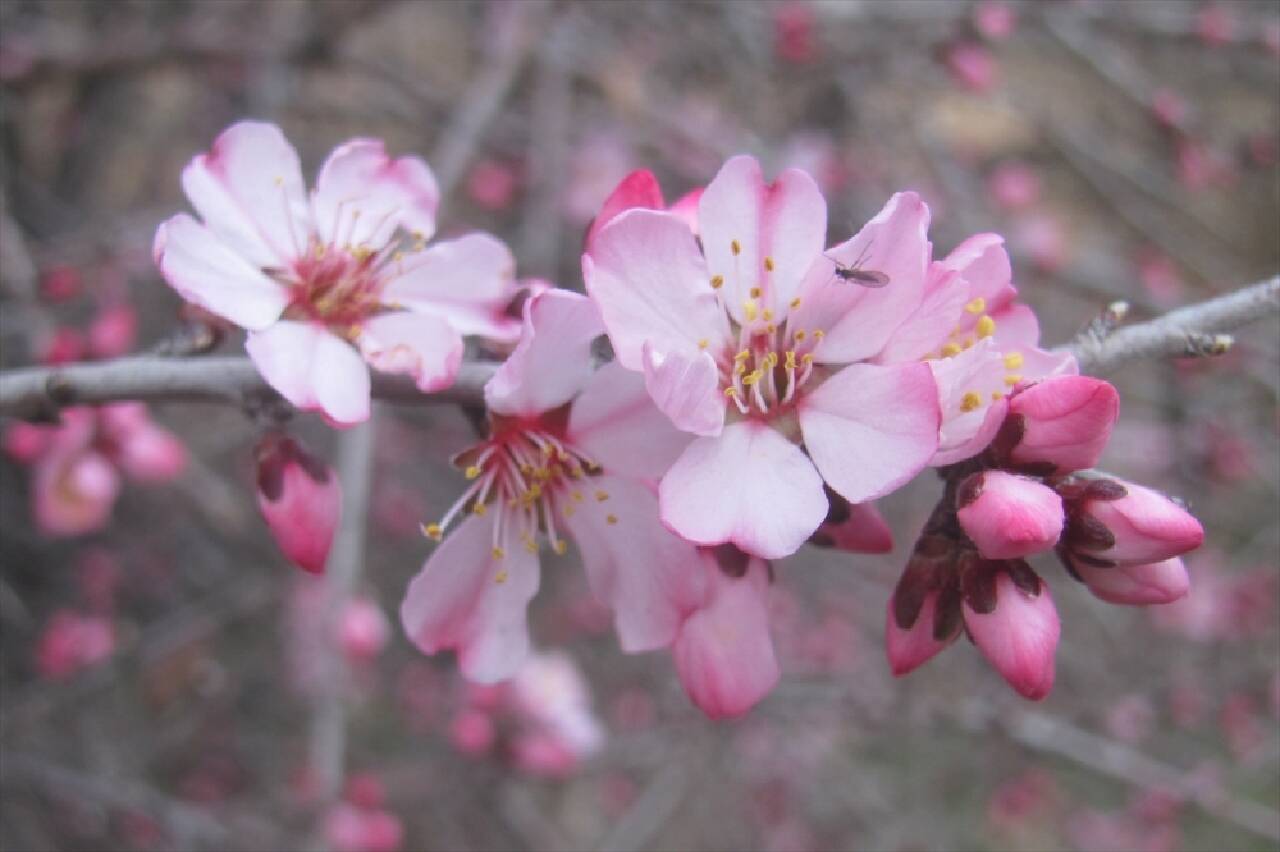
(571, 450)
(328, 281)
(752, 342)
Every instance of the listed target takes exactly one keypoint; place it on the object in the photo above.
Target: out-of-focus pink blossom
(1064, 421)
(332, 283)
(1201, 167)
(602, 158)
(365, 790)
(1022, 799)
(972, 66)
(63, 346)
(349, 828)
(472, 732)
(71, 642)
(730, 336)
(113, 331)
(493, 184)
(144, 451)
(1014, 185)
(794, 36)
(98, 577)
(1215, 24)
(1131, 719)
(995, 19)
(1170, 109)
(1271, 37)
(300, 498)
(25, 442)
(363, 629)
(1040, 236)
(1009, 516)
(853, 527)
(1241, 725)
(1160, 278)
(60, 283)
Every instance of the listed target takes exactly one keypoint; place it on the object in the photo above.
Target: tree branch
(1191, 330)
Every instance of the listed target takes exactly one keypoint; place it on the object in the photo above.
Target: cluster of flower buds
(1029, 492)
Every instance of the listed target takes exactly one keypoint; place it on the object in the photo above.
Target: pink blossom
(1040, 237)
(1170, 109)
(551, 693)
(350, 828)
(472, 732)
(363, 629)
(794, 38)
(1019, 636)
(1119, 522)
(1009, 516)
(640, 190)
(1136, 584)
(71, 642)
(144, 451)
(113, 331)
(994, 19)
(61, 283)
(1063, 421)
(1014, 185)
(972, 66)
(300, 499)
(62, 346)
(1215, 24)
(723, 653)
(493, 184)
(912, 646)
(570, 449)
(1160, 278)
(754, 344)
(322, 281)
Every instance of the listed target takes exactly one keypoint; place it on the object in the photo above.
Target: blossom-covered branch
(34, 391)
(1188, 331)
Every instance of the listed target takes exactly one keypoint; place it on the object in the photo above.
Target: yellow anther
(756, 292)
(432, 531)
(535, 491)
(976, 306)
(478, 509)
(577, 496)
(795, 303)
(560, 546)
(768, 263)
(771, 328)
(498, 553)
(986, 326)
(751, 378)
(768, 315)
(731, 391)
(279, 181)
(717, 281)
(819, 334)
(791, 359)
(321, 248)
(501, 576)
(1013, 360)
(602, 496)
(548, 450)
(950, 349)
(526, 469)
(735, 247)
(530, 545)
(807, 358)
(397, 256)
(800, 335)
(740, 368)
(749, 307)
(743, 355)
(611, 519)
(568, 510)
(771, 360)
(471, 472)
(703, 343)
(996, 396)
(970, 401)
(1012, 379)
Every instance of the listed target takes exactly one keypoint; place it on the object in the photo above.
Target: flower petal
(1019, 637)
(648, 277)
(927, 329)
(468, 599)
(859, 321)
(984, 263)
(910, 648)
(248, 189)
(1137, 585)
(312, 369)
(424, 347)
(468, 281)
(638, 189)
(782, 225)
(749, 486)
(205, 272)
(647, 575)
(615, 422)
(724, 653)
(686, 388)
(869, 429)
(362, 196)
(552, 362)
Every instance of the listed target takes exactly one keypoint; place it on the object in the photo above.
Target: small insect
(855, 274)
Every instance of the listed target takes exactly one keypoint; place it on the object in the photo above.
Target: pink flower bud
(363, 630)
(1014, 185)
(365, 790)
(1064, 421)
(1136, 585)
(472, 732)
(1143, 525)
(1009, 516)
(25, 442)
(113, 331)
(301, 500)
(1170, 108)
(62, 347)
(543, 753)
(60, 283)
(972, 66)
(911, 647)
(143, 450)
(994, 19)
(1019, 636)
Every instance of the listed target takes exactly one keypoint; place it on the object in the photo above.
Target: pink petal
(648, 576)
(1009, 516)
(1019, 637)
(73, 492)
(984, 263)
(362, 196)
(638, 189)
(648, 277)
(927, 329)
(1148, 526)
(615, 422)
(864, 530)
(301, 500)
(869, 429)
(1067, 421)
(724, 653)
(469, 600)
(421, 346)
(248, 189)
(686, 388)
(1137, 585)
(909, 649)
(859, 321)
(552, 362)
(205, 272)
(1016, 327)
(468, 281)
(312, 369)
(686, 208)
(749, 486)
(785, 222)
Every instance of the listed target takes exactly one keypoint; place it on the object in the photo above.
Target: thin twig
(1191, 330)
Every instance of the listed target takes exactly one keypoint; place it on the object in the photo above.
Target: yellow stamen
(768, 315)
(791, 359)
(735, 247)
(498, 553)
(800, 335)
(703, 343)
(479, 509)
(501, 576)
(602, 496)
(743, 355)
(432, 531)
(560, 547)
(1012, 379)
(1013, 360)
(768, 263)
(795, 303)
(749, 307)
(986, 326)
(740, 368)
(807, 358)
(717, 281)
(756, 292)
(970, 401)
(977, 306)
(472, 472)
(996, 396)
(731, 391)
(611, 519)
(751, 378)
(819, 334)
(950, 349)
